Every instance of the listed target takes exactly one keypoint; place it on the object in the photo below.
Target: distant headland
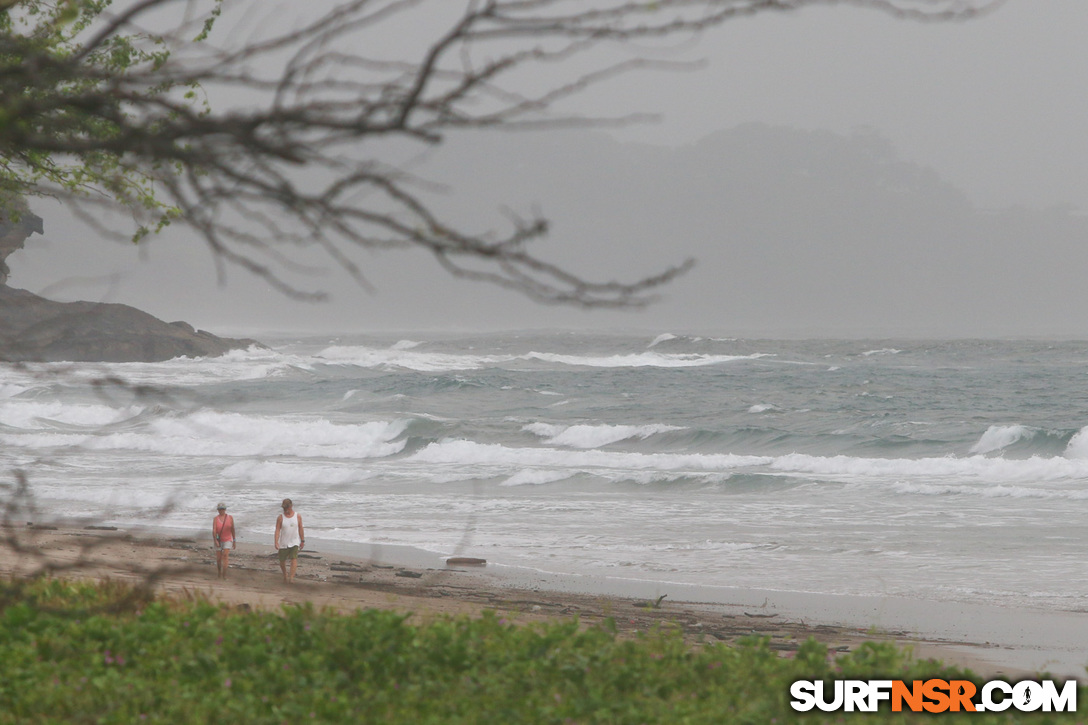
(35, 329)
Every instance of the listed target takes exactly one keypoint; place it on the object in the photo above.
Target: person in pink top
(223, 538)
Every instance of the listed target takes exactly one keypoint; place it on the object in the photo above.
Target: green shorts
(290, 553)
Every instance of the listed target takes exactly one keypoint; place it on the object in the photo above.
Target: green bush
(73, 652)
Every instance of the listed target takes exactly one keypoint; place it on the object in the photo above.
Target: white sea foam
(33, 415)
(999, 491)
(406, 345)
(840, 468)
(254, 363)
(10, 390)
(646, 478)
(997, 437)
(1078, 445)
(640, 360)
(103, 503)
(882, 351)
(535, 477)
(978, 468)
(278, 472)
(34, 441)
(471, 453)
(367, 357)
(763, 408)
(593, 436)
(233, 434)
(209, 433)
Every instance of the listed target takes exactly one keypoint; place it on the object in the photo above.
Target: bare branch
(22, 527)
(305, 157)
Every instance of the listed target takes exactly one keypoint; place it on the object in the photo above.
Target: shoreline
(992, 641)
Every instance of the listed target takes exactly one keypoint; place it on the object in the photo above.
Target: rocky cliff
(14, 230)
(33, 328)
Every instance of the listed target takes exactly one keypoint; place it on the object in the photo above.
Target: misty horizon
(790, 230)
(910, 179)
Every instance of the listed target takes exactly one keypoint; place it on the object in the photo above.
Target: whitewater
(934, 470)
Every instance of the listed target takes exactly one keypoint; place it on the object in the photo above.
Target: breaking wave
(254, 363)
(209, 433)
(939, 472)
(10, 390)
(645, 359)
(535, 477)
(998, 437)
(593, 436)
(663, 337)
(33, 415)
(398, 357)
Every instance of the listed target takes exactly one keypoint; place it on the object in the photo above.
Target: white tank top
(289, 531)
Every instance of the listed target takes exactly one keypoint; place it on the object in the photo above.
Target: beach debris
(760, 616)
(651, 605)
(784, 646)
(384, 566)
(410, 574)
(465, 561)
(345, 566)
(100, 528)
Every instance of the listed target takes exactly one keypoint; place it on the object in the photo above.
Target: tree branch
(303, 159)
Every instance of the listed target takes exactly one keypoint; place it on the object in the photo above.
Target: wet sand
(992, 642)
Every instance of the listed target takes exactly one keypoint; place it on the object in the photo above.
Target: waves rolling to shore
(948, 470)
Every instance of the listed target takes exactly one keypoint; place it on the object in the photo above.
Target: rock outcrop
(14, 230)
(33, 328)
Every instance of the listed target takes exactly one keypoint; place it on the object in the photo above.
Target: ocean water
(937, 470)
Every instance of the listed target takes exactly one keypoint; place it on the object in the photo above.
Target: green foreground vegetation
(76, 652)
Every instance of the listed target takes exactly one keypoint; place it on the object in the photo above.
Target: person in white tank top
(289, 540)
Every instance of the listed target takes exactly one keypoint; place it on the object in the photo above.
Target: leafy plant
(69, 652)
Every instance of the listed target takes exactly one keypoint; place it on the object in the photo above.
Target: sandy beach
(1000, 643)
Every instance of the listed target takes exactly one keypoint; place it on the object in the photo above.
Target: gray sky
(994, 107)
(996, 104)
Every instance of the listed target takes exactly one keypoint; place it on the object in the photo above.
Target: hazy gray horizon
(837, 172)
